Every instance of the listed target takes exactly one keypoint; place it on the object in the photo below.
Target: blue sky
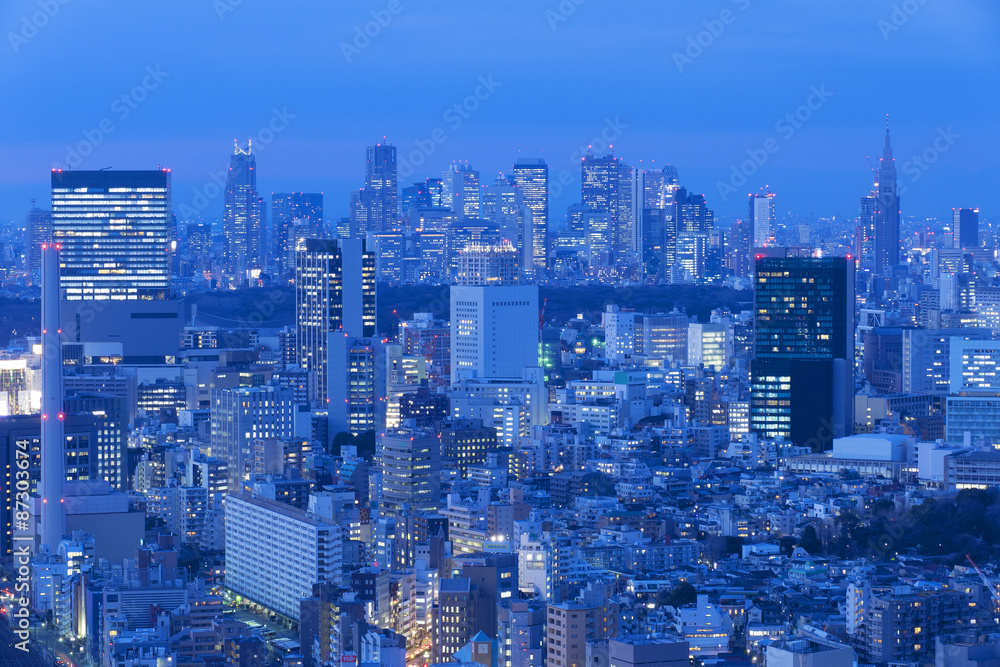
(697, 85)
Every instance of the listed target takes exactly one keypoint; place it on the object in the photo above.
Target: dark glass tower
(243, 222)
(380, 191)
(802, 372)
(113, 230)
(334, 292)
(966, 227)
(532, 176)
(887, 213)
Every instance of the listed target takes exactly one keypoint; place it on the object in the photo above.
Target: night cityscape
(568, 333)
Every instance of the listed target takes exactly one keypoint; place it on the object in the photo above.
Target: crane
(986, 582)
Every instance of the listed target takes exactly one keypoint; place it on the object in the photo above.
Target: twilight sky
(803, 86)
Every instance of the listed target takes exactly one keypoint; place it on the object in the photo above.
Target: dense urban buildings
(464, 410)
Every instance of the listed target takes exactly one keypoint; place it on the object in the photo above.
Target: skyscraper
(601, 191)
(290, 210)
(380, 193)
(740, 250)
(503, 205)
(494, 324)
(241, 416)
(39, 230)
(866, 225)
(802, 373)
(243, 219)
(334, 293)
(532, 176)
(762, 218)
(460, 190)
(112, 226)
(411, 471)
(887, 212)
(965, 225)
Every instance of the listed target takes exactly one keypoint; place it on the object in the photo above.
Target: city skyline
(819, 164)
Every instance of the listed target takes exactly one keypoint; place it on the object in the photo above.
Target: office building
(411, 470)
(243, 218)
(275, 553)
(762, 219)
(926, 357)
(603, 190)
(494, 330)
(241, 416)
(974, 397)
(356, 384)
(802, 385)
(294, 215)
(503, 206)
(570, 625)
(113, 230)
(460, 191)
(38, 228)
(465, 442)
(532, 177)
(710, 344)
(865, 243)
(380, 191)
(334, 293)
(965, 226)
(488, 265)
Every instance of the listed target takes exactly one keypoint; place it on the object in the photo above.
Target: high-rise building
(532, 177)
(887, 212)
(113, 230)
(965, 225)
(355, 383)
(242, 415)
(740, 249)
(460, 190)
(762, 218)
(293, 214)
(494, 325)
(601, 190)
(866, 234)
(411, 470)
(594, 621)
(801, 377)
(275, 552)
(243, 219)
(334, 293)
(488, 265)
(380, 190)
(503, 206)
(39, 230)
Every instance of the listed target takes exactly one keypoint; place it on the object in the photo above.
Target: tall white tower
(50, 489)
